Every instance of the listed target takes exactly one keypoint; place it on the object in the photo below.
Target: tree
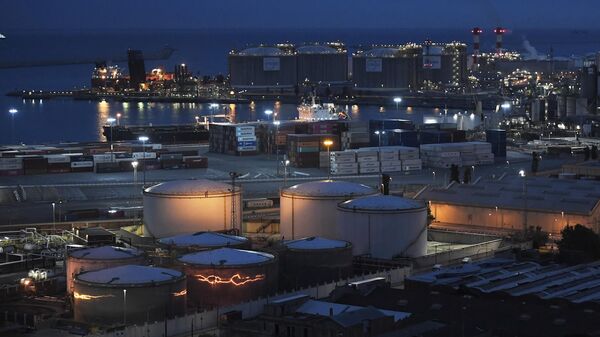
(454, 174)
(586, 153)
(594, 152)
(537, 236)
(467, 175)
(535, 162)
(579, 244)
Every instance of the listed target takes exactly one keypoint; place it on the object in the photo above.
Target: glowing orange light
(180, 293)
(86, 297)
(236, 280)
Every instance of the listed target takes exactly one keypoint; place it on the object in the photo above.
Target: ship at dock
(313, 111)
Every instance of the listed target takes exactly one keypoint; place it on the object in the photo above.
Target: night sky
(21, 15)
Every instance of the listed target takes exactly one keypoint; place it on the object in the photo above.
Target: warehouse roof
(577, 284)
(226, 257)
(329, 188)
(386, 203)
(203, 239)
(542, 194)
(130, 274)
(315, 242)
(192, 187)
(339, 311)
(106, 253)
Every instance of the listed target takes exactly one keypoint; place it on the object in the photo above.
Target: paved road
(103, 191)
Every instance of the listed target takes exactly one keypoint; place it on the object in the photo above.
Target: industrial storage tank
(315, 260)
(188, 206)
(384, 226)
(227, 276)
(204, 241)
(88, 259)
(129, 295)
(309, 209)
(263, 66)
(322, 63)
(387, 67)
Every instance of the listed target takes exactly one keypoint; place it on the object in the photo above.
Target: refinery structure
(333, 222)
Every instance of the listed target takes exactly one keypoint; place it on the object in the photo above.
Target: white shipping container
(141, 155)
(369, 170)
(103, 158)
(412, 167)
(366, 153)
(344, 165)
(412, 162)
(368, 164)
(344, 171)
(391, 163)
(58, 159)
(6, 167)
(246, 138)
(82, 164)
(246, 148)
(11, 161)
(397, 168)
(367, 159)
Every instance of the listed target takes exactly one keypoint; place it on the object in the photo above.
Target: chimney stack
(499, 35)
(476, 46)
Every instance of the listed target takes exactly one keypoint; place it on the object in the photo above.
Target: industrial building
(387, 67)
(137, 68)
(444, 65)
(227, 276)
(95, 258)
(314, 260)
(263, 66)
(309, 209)
(384, 226)
(514, 203)
(129, 294)
(322, 63)
(189, 206)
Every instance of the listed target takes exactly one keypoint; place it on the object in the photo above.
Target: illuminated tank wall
(228, 276)
(129, 295)
(88, 259)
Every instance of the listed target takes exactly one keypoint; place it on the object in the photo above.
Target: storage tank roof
(315, 242)
(226, 257)
(129, 274)
(203, 239)
(382, 52)
(262, 51)
(106, 253)
(192, 187)
(329, 188)
(316, 49)
(382, 203)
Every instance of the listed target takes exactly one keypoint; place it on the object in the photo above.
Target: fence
(209, 319)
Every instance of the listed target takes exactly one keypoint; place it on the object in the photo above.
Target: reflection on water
(62, 119)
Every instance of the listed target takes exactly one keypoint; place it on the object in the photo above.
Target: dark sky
(16, 15)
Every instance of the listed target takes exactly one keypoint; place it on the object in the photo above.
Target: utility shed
(513, 202)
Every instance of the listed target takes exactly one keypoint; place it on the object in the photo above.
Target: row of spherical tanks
(323, 225)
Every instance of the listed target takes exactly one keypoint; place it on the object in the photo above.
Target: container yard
(460, 154)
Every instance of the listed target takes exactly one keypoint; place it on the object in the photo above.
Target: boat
(318, 112)
(2, 36)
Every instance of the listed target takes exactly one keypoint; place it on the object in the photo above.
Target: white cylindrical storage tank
(309, 209)
(189, 206)
(384, 226)
(94, 258)
(129, 295)
(204, 241)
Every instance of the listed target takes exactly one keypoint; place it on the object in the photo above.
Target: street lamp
(523, 175)
(144, 139)
(212, 106)
(111, 121)
(269, 113)
(397, 100)
(135, 165)
(328, 143)
(12, 112)
(124, 306)
(119, 118)
(276, 123)
(285, 166)
(53, 217)
(379, 133)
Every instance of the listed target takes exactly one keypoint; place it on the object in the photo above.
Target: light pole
(277, 123)
(111, 121)
(212, 106)
(124, 306)
(12, 112)
(473, 168)
(379, 133)
(397, 100)
(119, 118)
(269, 113)
(135, 165)
(285, 166)
(53, 217)
(328, 143)
(144, 139)
(523, 175)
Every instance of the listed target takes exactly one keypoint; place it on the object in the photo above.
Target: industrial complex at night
(316, 182)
